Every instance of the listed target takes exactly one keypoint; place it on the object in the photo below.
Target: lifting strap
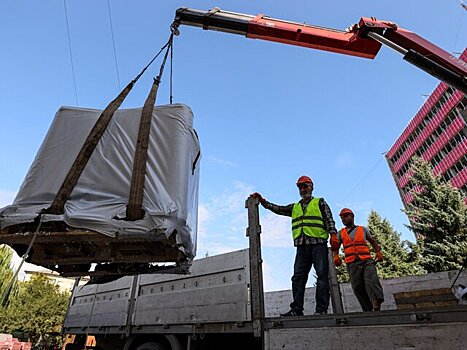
(58, 204)
(135, 201)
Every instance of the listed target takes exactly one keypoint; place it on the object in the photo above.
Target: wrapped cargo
(93, 227)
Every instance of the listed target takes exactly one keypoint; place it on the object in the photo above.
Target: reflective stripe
(309, 223)
(307, 218)
(357, 247)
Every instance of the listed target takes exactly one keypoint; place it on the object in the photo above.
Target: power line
(113, 43)
(71, 53)
(362, 181)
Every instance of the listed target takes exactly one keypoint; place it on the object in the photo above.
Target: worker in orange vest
(360, 265)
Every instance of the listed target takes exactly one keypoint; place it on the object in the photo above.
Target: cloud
(270, 278)
(343, 160)
(275, 231)
(222, 221)
(221, 161)
(6, 197)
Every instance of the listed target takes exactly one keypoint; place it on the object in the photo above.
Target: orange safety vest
(356, 248)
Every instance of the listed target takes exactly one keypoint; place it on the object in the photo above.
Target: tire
(152, 345)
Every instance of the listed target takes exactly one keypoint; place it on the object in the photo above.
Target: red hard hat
(304, 180)
(346, 211)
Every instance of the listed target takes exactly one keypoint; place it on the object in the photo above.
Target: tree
(38, 309)
(401, 258)
(6, 272)
(438, 217)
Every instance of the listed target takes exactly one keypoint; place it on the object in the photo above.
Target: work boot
(292, 312)
(320, 313)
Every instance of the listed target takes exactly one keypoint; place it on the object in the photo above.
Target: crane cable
(171, 68)
(7, 291)
(113, 43)
(71, 53)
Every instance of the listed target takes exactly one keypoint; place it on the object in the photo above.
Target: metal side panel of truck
(211, 309)
(216, 290)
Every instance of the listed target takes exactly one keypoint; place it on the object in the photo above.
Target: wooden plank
(422, 293)
(77, 236)
(426, 298)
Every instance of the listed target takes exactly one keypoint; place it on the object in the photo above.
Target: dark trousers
(307, 256)
(365, 283)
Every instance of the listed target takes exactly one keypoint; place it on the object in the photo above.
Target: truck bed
(215, 298)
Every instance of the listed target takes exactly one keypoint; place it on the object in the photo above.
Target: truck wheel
(152, 346)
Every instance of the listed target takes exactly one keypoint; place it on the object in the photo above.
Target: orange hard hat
(346, 211)
(304, 180)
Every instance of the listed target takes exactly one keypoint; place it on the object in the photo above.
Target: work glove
(334, 242)
(379, 256)
(257, 195)
(337, 260)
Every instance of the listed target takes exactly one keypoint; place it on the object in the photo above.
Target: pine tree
(438, 217)
(401, 258)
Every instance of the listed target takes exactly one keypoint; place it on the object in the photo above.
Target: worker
(311, 224)
(360, 265)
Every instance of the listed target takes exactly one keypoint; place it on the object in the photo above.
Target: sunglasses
(303, 186)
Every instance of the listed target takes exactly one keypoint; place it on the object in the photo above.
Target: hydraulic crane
(362, 40)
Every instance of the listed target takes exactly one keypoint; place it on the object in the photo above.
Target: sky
(265, 113)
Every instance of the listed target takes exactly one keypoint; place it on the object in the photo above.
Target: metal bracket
(341, 322)
(277, 323)
(207, 16)
(425, 317)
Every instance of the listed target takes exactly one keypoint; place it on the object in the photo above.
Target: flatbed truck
(221, 305)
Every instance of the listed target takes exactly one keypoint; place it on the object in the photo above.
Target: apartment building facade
(438, 134)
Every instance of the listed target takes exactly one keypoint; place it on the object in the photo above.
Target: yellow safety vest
(309, 223)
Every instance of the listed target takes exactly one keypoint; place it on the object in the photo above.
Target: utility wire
(362, 181)
(71, 53)
(461, 18)
(113, 43)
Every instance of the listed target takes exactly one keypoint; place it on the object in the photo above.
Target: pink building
(438, 134)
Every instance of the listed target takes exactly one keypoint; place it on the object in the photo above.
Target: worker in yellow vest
(360, 265)
(312, 223)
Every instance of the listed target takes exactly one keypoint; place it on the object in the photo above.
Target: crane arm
(362, 40)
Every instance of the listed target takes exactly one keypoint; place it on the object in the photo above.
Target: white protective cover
(101, 194)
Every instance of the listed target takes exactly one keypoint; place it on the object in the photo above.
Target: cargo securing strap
(134, 210)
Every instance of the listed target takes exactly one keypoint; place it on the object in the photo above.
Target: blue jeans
(307, 256)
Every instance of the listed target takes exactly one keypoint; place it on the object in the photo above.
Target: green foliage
(38, 309)
(401, 258)
(438, 217)
(6, 272)
(342, 275)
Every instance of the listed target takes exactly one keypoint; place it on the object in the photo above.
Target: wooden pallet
(419, 299)
(72, 252)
